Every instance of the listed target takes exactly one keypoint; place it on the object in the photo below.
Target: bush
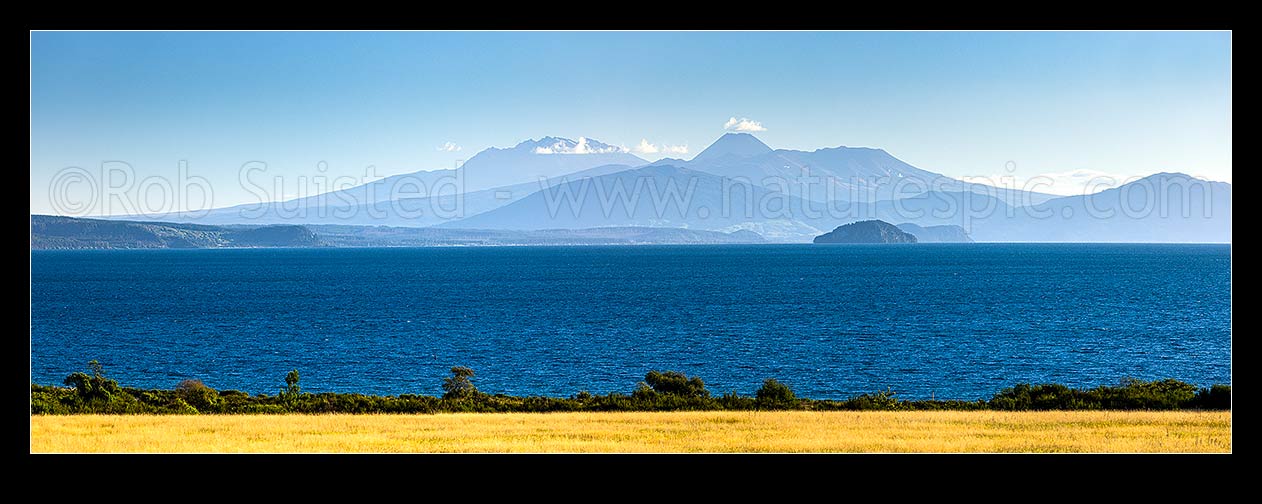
(1132, 394)
(643, 392)
(179, 407)
(264, 409)
(775, 395)
(1217, 397)
(732, 401)
(1025, 397)
(676, 384)
(197, 394)
(1136, 394)
(883, 400)
(50, 400)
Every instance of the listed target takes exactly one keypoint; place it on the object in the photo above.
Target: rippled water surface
(948, 320)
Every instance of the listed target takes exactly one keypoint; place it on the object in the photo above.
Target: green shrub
(676, 383)
(1131, 394)
(198, 395)
(1217, 397)
(882, 400)
(180, 407)
(775, 395)
(266, 409)
(51, 400)
(643, 393)
(732, 401)
(1165, 394)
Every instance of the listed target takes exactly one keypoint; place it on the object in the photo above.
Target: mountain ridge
(732, 146)
(860, 182)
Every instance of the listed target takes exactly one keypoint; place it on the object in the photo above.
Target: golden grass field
(881, 432)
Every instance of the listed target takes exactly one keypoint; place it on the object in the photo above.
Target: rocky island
(869, 231)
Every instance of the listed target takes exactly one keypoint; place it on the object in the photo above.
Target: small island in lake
(869, 231)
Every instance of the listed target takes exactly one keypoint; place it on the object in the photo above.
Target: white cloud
(584, 148)
(580, 147)
(449, 147)
(1067, 183)
(675, 149)
(743, 124)
(646, 148)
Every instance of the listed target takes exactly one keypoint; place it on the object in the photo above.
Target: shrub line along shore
(660, 391)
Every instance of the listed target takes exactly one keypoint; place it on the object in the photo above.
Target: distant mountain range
(740, 183)
(422, 199)
(1165, 207)
(856, 174)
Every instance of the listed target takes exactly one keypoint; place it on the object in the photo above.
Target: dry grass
(942, 431)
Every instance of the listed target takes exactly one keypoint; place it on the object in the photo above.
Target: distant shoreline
(73, 233)
(522, 245)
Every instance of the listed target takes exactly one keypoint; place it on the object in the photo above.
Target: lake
(954, 321)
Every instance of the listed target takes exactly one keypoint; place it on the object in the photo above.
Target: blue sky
(959, 103)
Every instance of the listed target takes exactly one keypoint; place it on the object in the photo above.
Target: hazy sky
(333, 103)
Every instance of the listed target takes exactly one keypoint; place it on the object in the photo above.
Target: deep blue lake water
(948, 320)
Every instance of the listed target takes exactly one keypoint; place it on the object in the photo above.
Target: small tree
(774, 394)
(459, 384)
(291, 384)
